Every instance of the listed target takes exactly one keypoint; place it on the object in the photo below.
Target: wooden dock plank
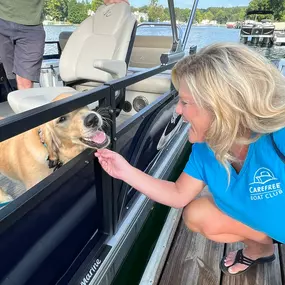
(262, 274)
(193, 260)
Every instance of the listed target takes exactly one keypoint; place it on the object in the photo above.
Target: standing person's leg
(29, 50)
(7, 48)
(203, 216)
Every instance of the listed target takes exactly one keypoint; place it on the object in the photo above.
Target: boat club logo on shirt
(265, 185)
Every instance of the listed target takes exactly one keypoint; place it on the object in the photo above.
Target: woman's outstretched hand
(113, 163)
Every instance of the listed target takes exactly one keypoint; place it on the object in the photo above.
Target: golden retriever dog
(33, 155)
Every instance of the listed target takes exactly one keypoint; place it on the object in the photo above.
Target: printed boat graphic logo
(262, 176)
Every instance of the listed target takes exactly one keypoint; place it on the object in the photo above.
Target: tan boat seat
(158, 84)
(146, 54)
(97, 51)
(147, 50)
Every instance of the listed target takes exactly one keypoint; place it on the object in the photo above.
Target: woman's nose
(178, 109)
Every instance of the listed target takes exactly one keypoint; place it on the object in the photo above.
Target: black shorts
(21, 49)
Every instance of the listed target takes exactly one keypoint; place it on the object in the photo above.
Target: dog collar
(51, 163)
(40, 132)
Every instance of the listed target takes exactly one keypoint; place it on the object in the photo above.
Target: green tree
(95, 4)
(182, 15)
(259, 5)
(185, 13)
(166, 14)
(221, 17)
(143, 9)
(278, 7)
(155, 12)
(198, 16)
(241, 14)
(77, 12)
(56, 9)
(209, 16)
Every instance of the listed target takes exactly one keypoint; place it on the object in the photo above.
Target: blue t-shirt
(255, 196)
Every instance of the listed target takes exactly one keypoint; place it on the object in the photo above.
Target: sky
(189, 3)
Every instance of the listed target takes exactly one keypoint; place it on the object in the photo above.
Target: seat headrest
(104, 35)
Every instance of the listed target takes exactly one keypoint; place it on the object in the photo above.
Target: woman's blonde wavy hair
(243, 90)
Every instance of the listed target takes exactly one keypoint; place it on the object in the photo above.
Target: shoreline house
(141, 17)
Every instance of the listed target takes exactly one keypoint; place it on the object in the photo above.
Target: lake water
(200, 36)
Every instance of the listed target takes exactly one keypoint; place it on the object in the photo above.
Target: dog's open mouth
(98, 140)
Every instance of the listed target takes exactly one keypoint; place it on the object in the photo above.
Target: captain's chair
(96, 52)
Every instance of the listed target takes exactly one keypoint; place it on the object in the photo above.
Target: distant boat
(279, 38)
(231, 25)
(257, 32)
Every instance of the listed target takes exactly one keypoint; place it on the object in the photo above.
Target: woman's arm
(174, 194)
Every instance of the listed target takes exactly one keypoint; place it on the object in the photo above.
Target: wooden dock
(194, 260)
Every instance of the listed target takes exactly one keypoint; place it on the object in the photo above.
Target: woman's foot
(266, 250)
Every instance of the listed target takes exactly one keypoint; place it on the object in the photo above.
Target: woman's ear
(53, 144)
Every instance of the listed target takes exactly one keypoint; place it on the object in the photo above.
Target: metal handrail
(176, 44)
(162, 24)
(189, 25)
(19, 123)
(179, 52)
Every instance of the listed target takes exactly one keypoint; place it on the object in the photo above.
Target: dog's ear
(95, 109)
(103, 111)
(52, 142)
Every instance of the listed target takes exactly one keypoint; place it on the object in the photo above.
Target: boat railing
(74, 211)
(19, 123)
(176, 45)
(55, 55)
(80, 189)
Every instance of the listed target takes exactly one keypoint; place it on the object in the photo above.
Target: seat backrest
(148, 49)
(105, 35)
(63, 38)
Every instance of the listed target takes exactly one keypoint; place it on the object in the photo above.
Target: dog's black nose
(91, 121)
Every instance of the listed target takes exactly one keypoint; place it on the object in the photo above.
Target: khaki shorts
(21, 49)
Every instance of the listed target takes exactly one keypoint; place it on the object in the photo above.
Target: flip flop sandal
(240, 258)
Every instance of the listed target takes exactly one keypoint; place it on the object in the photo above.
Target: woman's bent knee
(195, 214)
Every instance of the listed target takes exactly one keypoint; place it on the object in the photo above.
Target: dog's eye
(61, 119)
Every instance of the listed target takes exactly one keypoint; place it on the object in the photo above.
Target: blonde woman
(233, 99)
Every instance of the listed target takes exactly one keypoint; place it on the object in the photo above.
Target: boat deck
(194, 260)
(13, 188)
(5, 110)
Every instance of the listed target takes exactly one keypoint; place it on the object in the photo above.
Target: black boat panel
(6, 85)
(91, 265)
(56, 229)
(141, 144)
(73, 211)
(148, 144)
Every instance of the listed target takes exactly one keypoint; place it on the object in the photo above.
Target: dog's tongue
(99, 137)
